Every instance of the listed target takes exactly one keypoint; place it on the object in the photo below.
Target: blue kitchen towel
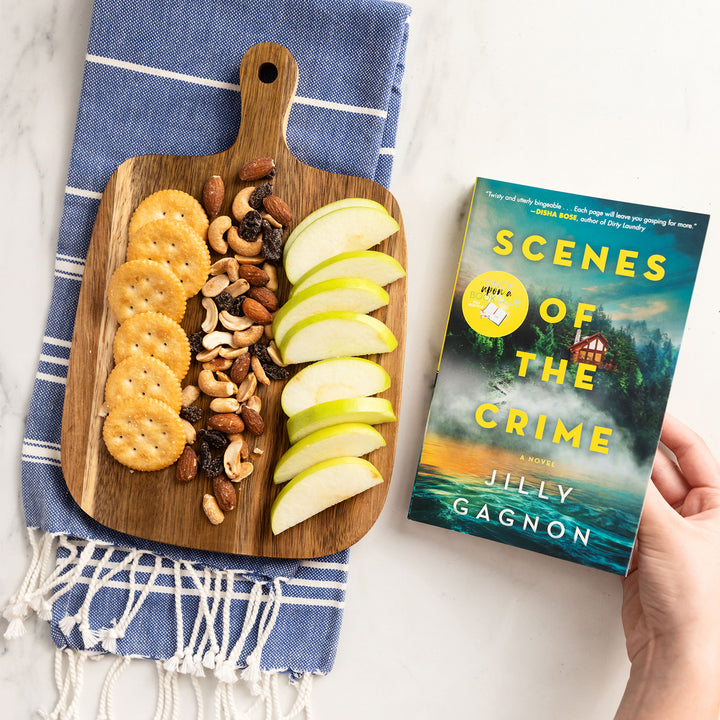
(161, 76)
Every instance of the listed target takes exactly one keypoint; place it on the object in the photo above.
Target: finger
(656, 519)
(668, 479)
(696, 461)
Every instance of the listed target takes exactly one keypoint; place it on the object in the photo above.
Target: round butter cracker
(142, 286)
(173, 205)
(153, 333)
(144, 434)
(177, 246)
(139, 376)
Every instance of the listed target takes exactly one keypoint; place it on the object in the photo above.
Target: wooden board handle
(268, 80)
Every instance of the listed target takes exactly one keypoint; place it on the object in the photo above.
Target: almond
(256, 312)
(187, 465)
(224, 492)
(213, 195)
(256, 169)
(226, 423)
(256, 276)
(239, 369)
(253, 421)
(278, 209)
(267, 298)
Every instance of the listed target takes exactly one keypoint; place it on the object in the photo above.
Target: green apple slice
(319, 487)
(349, 228)
(344, 440)
(333, 379)
(331, 207)
(352, 294)
(371, 411)
(335, 334)
(379, 267)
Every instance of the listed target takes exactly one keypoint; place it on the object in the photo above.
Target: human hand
(671, 596)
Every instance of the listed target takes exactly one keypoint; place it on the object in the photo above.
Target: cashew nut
(215, 338)
(251, 260)
(211, 315)
(215, 285)
(233, 322)
(243, 247)
(240, 205)
(189, 431)
(224, 405)
(190, 393)
(254, 403)
(227, 265)
(206, 355)
(245, 338)
(247, 388)
(267, 216)
(218, 227)
(238, 287)
(269, 333)
(271, 270)
(259, 371)
(211, 508)
(218, 363)
(232, 353)
(274, 354)
(214, 387)
(235, 467)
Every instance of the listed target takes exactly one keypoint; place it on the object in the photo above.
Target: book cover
(561, 343)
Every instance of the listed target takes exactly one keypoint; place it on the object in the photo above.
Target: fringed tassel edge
(45, 582)
(69, 682)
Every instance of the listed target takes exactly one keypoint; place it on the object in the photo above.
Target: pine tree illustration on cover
(562, 339)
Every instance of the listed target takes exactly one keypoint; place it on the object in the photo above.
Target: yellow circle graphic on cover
(495, 303)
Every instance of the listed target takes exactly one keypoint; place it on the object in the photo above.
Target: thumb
(657, 516)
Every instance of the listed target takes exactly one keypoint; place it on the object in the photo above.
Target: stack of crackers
(167, 262)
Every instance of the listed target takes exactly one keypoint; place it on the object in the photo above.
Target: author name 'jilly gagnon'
(513, 518)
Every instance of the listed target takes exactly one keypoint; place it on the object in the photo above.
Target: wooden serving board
(153, 505)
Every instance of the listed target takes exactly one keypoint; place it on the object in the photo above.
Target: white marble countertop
(615, 100)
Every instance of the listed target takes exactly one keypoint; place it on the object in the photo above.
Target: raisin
(237, 306)
(259, 350)
(214, 438)
(215, 467)
(260, 193)
(250, 225)
(196, 342)
(191, 413)
(272, 242)
(275, 372)
(224, 301)
(204, 456)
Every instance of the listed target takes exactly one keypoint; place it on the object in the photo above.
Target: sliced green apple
(352, 294)
(379, 267)
(349, 228)
(343, 440)
(334, 379)
(371, 411)
(319, 487)
(331, 207)
(335, 334)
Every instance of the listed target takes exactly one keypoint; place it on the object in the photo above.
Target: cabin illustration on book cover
(562, 339)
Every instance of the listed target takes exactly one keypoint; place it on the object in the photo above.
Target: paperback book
(561, 342)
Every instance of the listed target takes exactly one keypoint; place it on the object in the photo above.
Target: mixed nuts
(234, 344)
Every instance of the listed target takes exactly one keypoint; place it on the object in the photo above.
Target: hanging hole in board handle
(267, 73)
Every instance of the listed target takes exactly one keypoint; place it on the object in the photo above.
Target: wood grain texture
(154, 505)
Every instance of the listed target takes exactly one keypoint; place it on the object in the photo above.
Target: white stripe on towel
(159, 72)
